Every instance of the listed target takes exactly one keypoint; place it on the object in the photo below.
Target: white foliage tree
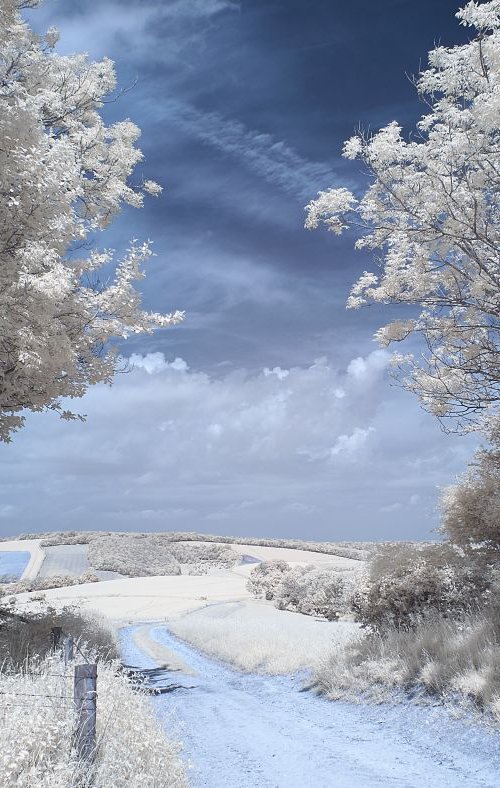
(432, 211)
(64, 175)
(471, 507)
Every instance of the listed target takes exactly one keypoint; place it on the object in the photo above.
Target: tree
(64, 175)
(433, 210)
(471, 507)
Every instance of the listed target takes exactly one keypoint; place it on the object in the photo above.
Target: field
(221, 645)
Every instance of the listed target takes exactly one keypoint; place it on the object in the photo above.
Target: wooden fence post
(55, 637)
(85, 695)
(68, 649)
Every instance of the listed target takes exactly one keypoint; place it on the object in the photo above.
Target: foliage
(432, 213)
(404, 585)
(266, 577)
(471, 508)
(44, 583)
(68, 537)
(457, 660)
(316, 591)
(26, 636)
(39, 719)
(139, 555)
(203, 556)
(359, 551)
(304, 589)
(133, 556)
(65, 176)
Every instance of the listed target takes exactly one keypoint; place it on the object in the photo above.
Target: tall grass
(38, 722)
(261, 638)
(457, 660)
(38, 719)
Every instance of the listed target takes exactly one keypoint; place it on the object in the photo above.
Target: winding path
(249, 731)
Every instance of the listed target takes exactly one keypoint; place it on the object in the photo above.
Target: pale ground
(243, 730)
(231, 624)
(139, 599)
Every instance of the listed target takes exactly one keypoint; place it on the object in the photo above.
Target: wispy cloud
(270, 158)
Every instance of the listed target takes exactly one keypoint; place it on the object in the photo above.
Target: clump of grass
(38, 722)
(38, 718)
(27, 636)
(450, 659)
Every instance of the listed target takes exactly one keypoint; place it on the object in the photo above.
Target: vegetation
(39, 717)
(431, 215)
(406, 584)
(133, 556)
(66, 176)
(44, 583)
(325, 592)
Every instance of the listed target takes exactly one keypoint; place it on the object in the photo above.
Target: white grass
(458, 660)
(38, 720)
(257, 637)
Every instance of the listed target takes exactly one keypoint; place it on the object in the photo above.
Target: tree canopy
(432, 213)
(64, 176)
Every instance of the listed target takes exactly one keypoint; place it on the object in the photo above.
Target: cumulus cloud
(154, 363)
(351, 445)
(273, 451)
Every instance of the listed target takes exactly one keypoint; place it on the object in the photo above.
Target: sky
(270, 410)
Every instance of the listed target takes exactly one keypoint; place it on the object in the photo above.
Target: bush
(213, 555)
(455, 659)
(266, 577)
(305, 589)
(27, 636)
(316, 592)
(69, 537)
(405, 584)
(44, 583)
(133, 556)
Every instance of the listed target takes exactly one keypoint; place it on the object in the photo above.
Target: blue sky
(278, 417)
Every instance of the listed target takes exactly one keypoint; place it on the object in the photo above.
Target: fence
(72, 697)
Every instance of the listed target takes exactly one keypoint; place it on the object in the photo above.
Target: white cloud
(272, 159)
(350, 445)
(153, 363)
(258, 452)
(364, 369)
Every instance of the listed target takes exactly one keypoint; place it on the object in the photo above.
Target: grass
(260, 638)
(38, 722)
(38, 718)
(450, 660)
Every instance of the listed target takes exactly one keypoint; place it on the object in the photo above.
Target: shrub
(266, 577)
(305, 589)
(214, 555)
(455, 659)
(133, 556)
(316, 592)
(405, 584)
(27, 636)
(44, 583)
